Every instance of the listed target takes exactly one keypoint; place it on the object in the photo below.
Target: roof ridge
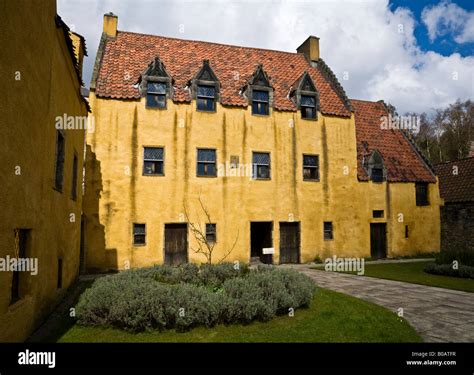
(215, 43)
(454, 161)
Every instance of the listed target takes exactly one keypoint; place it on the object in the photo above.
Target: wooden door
(289, 242)
(378, 240)
(176, 244)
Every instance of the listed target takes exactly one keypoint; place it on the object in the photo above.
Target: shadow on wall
(97, 257)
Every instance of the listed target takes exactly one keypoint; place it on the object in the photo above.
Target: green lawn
(332, 317)
(413, 273)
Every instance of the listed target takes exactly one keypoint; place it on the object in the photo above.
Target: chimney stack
(110, 24)
(310, 48)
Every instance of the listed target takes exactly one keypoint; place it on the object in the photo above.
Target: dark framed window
(74, 178)
(377, 174)
(59, 167)
(211, 236)
(406, 231)
(422, 194)
(310, 167)
(153, 159)
(377, 214)
(156, 95)
(21, 243)
(260, 102)
(206, 162)
(139, 234)
(206, 98)
(327, 228)
(261, 165)
(308, 107)
(60, 273)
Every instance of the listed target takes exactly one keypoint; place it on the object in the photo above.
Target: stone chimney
(310, 48)
(110, 24)
(471, 151)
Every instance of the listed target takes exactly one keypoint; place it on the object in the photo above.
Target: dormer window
(259, 92)
(156, 95)
(308, 107)
(305, 96)
(375, 167)
(205, 88)
(206, 98)
(260, 102)
(156, 84)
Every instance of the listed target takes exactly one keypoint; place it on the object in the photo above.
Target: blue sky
(417, 55)
(445, 45)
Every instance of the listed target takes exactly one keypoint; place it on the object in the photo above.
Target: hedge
(165, 297)
(448, 270)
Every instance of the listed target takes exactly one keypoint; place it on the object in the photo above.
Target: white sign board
(268, 250)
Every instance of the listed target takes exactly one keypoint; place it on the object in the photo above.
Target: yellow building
(258, 151)
(41, 162)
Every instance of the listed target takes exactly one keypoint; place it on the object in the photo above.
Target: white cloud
(372, 43)
(448, 18)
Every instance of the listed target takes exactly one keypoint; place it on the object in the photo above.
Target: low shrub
(464, 257)
(164, 297)
(448, 270)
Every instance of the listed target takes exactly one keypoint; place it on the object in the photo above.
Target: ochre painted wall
(48, 87)
(117, 194)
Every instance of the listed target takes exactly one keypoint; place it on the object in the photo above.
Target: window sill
(156, 108)
(311, 180)
(259, 115)
(206, 176)
(261, 179)
(139, 244)
(57, 190)
(314, 119)
(153, 175)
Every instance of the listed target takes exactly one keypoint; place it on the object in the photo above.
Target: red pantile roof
(456, 187)
(129, 54)
(402, 160)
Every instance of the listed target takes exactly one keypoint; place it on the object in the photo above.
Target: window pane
(421, 194)
(308, 101)
(263, 171)
(156, 101)
(310, 160)
(308, 112)
(60, 149)
(206, 155)
(377, 174)
(156, 88)
(205, 104)
(153, 153)
(206, 91)
(328, 230)
(260, 95)
(261, 158)
(310, 173)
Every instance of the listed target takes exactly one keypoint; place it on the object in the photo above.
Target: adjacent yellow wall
(47, 87)
(117, 194)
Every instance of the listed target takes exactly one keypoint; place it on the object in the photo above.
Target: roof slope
(403, 162)
(456, 187)
(129, 54)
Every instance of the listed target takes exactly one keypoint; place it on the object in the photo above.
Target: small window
(211, 233)
(260, 102)
(21, 243)
(206, 163)
(308, 107)
(139, 234)
(328, 230)
(421, 194)
(377, 175)
(156, 95)
(74, 178)
(377, 214)
(60, 273)
(206, 98)
(153, 161)
(406, 231)
(261, 165)
(59, 168)
(310, 167)
(234, 161)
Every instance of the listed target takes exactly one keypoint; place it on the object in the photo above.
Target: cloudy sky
(417, 55)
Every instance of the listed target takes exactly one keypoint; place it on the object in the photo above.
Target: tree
(205, 246)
